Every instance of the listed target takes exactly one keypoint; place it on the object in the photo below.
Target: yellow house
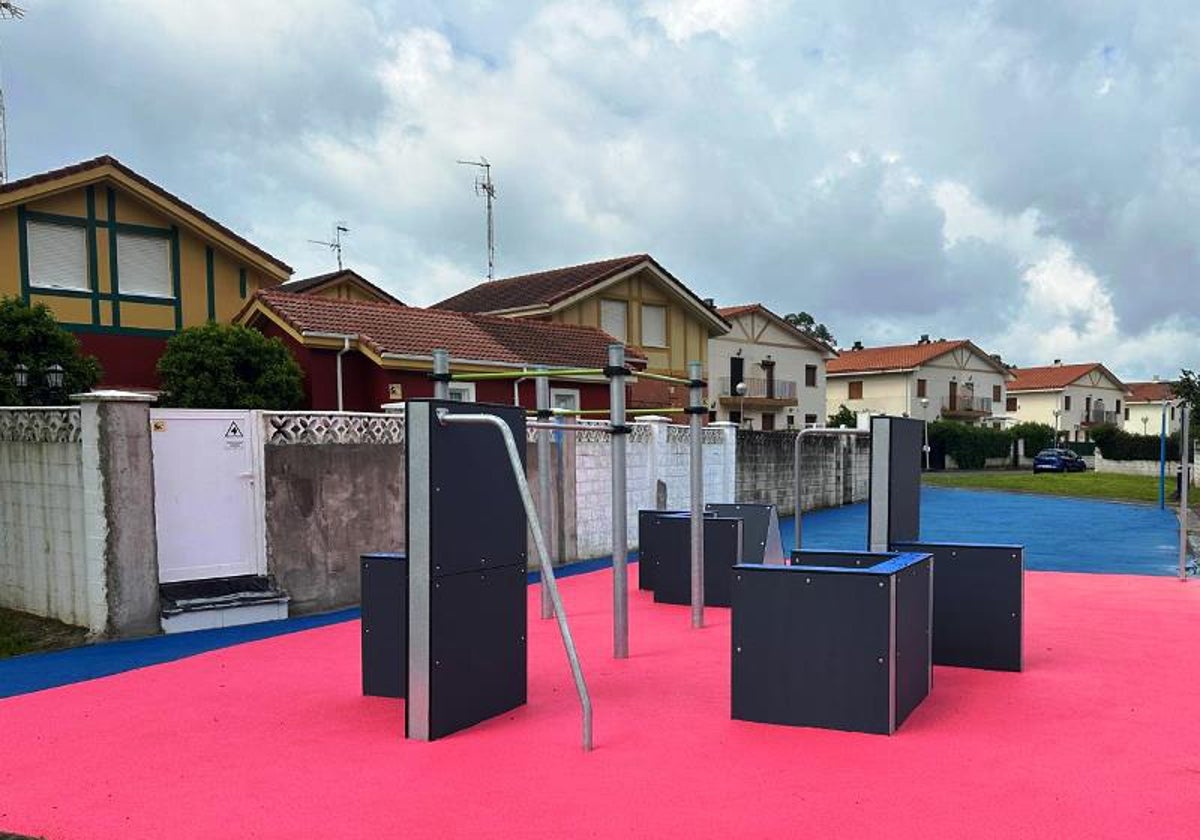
(631, 298)
(123, 263)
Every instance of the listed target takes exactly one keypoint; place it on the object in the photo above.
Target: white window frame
(84, 284)
(624, 304)
(565, 392)
(123, 281)
(645, 342)
(466, 389)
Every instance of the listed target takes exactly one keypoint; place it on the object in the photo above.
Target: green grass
(24, 633)
(1090, 485)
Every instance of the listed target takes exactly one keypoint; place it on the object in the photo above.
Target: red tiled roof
(109, 160)
(1156, 391)
(1053, 377)
(541, 288)
(409, 330)
(308, 285)
(892, 357)
(731, 312)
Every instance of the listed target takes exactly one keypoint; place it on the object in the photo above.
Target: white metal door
(204, 493)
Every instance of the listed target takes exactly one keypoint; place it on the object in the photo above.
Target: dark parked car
(1058, 460)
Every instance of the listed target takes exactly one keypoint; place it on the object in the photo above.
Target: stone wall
(1147, 468)
(834, 469)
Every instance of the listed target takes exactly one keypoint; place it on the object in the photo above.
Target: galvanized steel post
(620, 547)
(695, 407)
(441, 374)
(1184, 480)
(542, 391)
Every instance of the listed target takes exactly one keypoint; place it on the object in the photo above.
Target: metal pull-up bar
(799, 485)
(549, 584)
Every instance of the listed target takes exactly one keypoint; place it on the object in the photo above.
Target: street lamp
(1145, 423)
(741, 392)
(925, 418)
(54, 377)
(1057, 412)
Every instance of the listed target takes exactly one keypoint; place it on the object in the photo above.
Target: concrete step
(220, 602)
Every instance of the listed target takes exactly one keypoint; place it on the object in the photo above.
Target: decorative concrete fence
(835, 469)
(77, 514)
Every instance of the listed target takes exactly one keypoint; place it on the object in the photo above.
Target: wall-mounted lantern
(21, 375)
(54, 376)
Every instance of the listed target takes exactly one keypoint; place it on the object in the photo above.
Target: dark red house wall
(128, 360)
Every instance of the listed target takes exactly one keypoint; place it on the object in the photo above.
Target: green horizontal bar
(660, 377)
(526, 374)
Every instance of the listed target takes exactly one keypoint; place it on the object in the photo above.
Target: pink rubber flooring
(1099, 737)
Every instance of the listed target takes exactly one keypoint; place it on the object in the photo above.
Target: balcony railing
(966, 405)
(1096, 416)
(777, 389)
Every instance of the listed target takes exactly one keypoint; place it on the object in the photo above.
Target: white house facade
(1146, 403)
(929, 380)
(781, 367)
(1071, 398)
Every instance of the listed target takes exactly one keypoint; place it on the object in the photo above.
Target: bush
(229, 366)
(1118, 445)
(969, 446)
(30, 336)
(844, 418)
(1037, 436)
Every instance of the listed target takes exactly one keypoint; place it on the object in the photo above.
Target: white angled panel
(143, 265)
(57, 256)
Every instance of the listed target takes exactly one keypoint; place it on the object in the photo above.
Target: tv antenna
(485, 188)
(335, 244)
(8, 11)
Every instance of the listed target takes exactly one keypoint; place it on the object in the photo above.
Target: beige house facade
(1146, 406)
(1070, 398)
(781, 367)
(929, 380)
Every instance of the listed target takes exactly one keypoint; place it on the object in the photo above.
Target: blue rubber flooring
(1060, 535)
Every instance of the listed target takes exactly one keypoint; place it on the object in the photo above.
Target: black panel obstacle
(894, 496)
(978, 604)
(760, 530)
(673, 561)
(650, 544)
(384, 579)
(467, 594)
(839, 642)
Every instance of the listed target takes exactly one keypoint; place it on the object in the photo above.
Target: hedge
(1037, 436)
(969, 446)
(1118, 445)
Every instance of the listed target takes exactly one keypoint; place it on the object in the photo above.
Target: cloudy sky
(1024, 174)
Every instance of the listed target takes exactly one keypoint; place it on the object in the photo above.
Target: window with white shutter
(654, 326)
(614, 316)
(143, 265)
(57, 256)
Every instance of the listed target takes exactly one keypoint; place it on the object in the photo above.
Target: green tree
(808, 324)
(1188, 388)
(31, 343)
(1037, 436)
(229, 366)
(844, 418)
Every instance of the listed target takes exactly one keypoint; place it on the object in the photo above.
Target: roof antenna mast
(485, 188)
(8, 11)
(335, 244)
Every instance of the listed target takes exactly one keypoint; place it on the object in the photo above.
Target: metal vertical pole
(1162, 460)
(1184, 480)
(441, 372)
(695, 406)
(620, 547)
(542, 391)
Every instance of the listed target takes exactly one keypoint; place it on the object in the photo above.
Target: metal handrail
(798, 486)
(539, 540)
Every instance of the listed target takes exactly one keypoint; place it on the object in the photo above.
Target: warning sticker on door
(233, 436)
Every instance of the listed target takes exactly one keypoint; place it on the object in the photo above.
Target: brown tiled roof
(109, 160)
(542, 288)
(409, 330)
(310, 284)
(893, 357)
(731, 312)
(1053, 377)
(1157, 391)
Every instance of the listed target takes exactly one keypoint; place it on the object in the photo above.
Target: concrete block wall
(1147, 468)
(834, 469)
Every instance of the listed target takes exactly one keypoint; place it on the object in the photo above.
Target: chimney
(924, 338)
(858, 345)
(996, 358)
(711, 303)
(1058, 362)
(1156, 377)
